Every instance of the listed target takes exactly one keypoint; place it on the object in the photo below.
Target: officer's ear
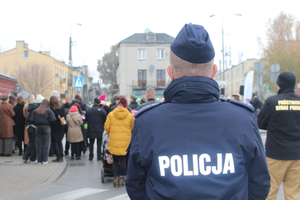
(170, 72)
(214, 71)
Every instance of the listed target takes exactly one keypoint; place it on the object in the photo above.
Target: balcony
(154, 84)
(70, 82)
(62, 80)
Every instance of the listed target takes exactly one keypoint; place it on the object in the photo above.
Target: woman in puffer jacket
(119, 125)
(74, 135)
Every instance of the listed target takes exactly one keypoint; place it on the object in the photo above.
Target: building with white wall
(143, 58)
(235, 76)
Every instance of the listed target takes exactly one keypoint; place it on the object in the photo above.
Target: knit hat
(143, 100)
(133, 97)
(73, 109)
(4, 97)
(96, 100)
(39, 99)
(286, 80)
(55, 94)
(193, 44)
(102, 97)
(236, 95)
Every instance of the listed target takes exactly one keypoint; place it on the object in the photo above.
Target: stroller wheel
(102, 175)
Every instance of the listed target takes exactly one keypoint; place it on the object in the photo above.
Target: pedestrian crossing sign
(78, 82)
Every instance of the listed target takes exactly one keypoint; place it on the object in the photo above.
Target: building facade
(7, 84)
(143, 58)
(59, 75)
(235, 76)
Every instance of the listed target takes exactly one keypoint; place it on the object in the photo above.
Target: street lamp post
(223, 67)
(70, 56)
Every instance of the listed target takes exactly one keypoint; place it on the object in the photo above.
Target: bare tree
(107, 67)
(35, 78)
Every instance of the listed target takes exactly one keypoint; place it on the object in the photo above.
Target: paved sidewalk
(17, 177)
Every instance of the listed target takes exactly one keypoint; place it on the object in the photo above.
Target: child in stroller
(107, 161)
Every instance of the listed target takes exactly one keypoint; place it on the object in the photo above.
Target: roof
(4, 76)
(141, 38)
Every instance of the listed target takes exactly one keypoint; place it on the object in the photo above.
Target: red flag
(66, 100)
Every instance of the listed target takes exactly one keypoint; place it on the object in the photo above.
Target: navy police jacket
(194, 146)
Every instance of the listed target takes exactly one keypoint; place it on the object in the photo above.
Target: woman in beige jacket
(74, 135)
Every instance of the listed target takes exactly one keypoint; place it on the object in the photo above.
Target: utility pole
(70, 52)
(70, 60)
(223, 40)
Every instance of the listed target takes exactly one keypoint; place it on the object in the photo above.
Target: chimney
(20, 44)
(47, 53)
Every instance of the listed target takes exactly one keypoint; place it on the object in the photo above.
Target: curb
(57, 174)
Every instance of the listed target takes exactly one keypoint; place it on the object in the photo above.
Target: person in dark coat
(133, 104)
(95, 117)
(194, 145)
(113, 104)
(280, 116)
(80, 102)
(103, 104)
(57, 130)
(67, 145)
(257, 104)
(6, 127)
(150, 95)
(12, 101)
(42, 118)
(30, 150)
(19, 120)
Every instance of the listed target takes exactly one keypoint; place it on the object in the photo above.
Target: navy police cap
(193, 44)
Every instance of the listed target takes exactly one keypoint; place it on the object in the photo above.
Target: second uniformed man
(194, 146)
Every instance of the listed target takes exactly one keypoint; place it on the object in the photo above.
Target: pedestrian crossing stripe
(84, 193)
(78, 82)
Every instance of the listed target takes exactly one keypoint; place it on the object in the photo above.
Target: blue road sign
(78, 82)
(267, 87)
(298, 91)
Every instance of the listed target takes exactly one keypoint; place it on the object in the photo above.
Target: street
(82, 179)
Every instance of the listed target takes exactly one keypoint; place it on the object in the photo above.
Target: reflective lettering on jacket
(179, 165)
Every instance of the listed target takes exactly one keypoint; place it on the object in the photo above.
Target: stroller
(106, 170)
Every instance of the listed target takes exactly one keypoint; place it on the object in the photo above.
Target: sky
(46, 25)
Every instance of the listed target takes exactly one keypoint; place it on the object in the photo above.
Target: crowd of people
(38, 126)
(194, 145)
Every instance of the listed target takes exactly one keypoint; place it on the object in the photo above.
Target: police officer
(280, 116)
(192, 146)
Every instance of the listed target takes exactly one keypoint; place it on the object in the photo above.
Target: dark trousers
(75, 149)
(119, 170)
(20, 142)
(67, 147)
(99, 142)
(51, 151)
(42, 142)
(58, 149)
(30, 150)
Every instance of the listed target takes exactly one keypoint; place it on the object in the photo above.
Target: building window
(142, 78)
(150, 37)
(160, 54)
(161, 77)
(25, 54)
(142, 54)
